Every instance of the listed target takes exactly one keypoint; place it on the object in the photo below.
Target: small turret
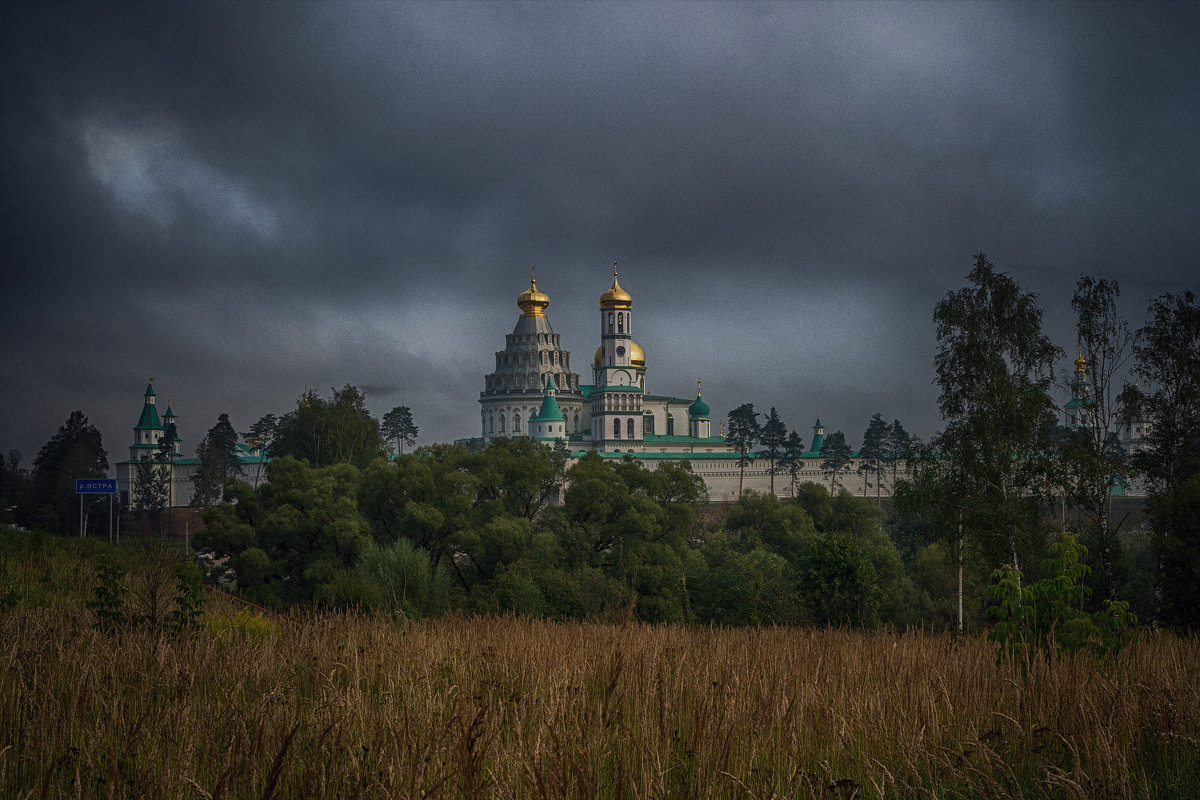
(699, 424)
(818, 440)
(547, 422)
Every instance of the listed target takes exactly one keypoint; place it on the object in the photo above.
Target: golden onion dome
(637, 356)
(1079, 362)
(616, 297)
(533, 302)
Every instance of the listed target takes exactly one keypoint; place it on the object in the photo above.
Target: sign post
(106, 486)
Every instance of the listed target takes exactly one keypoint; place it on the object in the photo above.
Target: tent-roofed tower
(549, 422)
(818, 438)
(532, 355)
(149, 428)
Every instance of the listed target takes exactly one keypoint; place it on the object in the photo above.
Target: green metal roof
(549, 411)
(150, 390)
(698, 409)
(149, 420)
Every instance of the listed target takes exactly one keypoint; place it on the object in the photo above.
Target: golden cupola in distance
(616, 297)
(533, 302)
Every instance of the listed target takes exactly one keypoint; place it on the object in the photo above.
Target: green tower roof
(549, 411)
(149, 419)
(698, 409)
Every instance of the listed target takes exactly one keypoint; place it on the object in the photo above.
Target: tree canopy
(336, 431)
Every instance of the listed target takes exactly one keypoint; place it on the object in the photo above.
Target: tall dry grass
(339, 706)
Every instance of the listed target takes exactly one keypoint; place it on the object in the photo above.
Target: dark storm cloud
(247, 199)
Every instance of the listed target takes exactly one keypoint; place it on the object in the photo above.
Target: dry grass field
(341, 706)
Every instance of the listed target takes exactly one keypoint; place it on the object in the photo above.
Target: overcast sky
(243, 200)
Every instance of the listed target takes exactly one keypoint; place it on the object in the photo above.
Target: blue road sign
(95, 486)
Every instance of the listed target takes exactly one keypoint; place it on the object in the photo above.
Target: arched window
(610, 322)
(616, 429)
(502, 422)
(629, 428)
(577, 423)
(620, 323)
(648, 424)
(516, 423)
(670, 424)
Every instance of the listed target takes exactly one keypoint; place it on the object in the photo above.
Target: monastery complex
(533, 392)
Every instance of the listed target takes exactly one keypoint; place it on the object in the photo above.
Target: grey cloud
(250, 198)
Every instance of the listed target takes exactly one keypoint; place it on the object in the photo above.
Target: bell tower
(617, 398)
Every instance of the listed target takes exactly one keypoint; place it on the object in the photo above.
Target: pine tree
(793, 449)
(873, 453)
(836, 453)
(773, 437)
(743, 434)
(398, 426)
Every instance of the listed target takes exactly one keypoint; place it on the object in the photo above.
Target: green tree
(261, 438)
(773, 438)
(896, 449)
(150, 490)
(295, 539)
(75, 451)
(835, 454)
(793, 450)
(219, 462)
(1168, 360)
(631, 525)
(15, 485)
(428, 498)
(223, 438)
(398, 426)
(207, 486)
(1048, 614)
(936, 493)
(744, 434)
(761, 521)
(839, 585)
(1093, 457)
(337, 431)
(994, 370)
(872, 455)
(730, 585)
(409, 583)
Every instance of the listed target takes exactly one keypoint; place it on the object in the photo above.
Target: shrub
(243, 623)
(1048, 615)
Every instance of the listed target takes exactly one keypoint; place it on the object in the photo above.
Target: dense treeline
(495, 530)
